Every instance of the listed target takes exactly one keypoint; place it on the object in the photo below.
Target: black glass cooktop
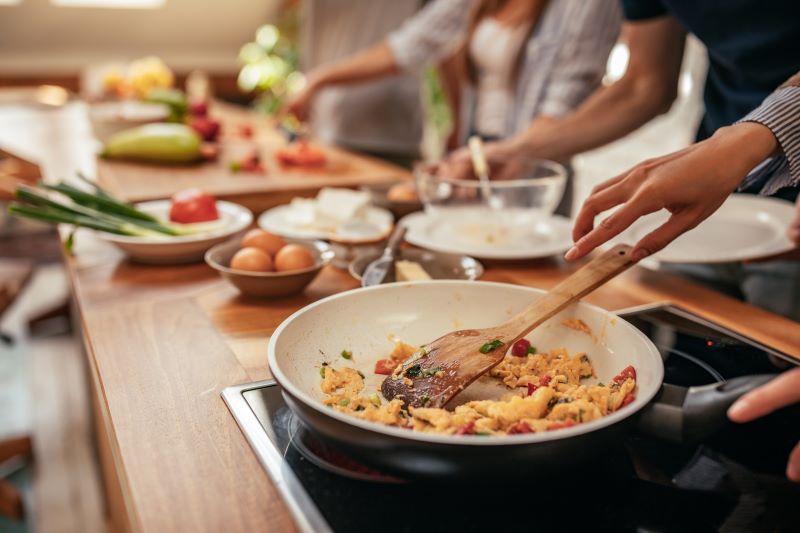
(733, 481)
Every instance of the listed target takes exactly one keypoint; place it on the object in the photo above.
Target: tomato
(519, 428)
(544, 381)
(627, 373)
(627, 399)
(301, 154)
(193, 205)
(385, 367)
(466, 429)
(568, 423)
(520, 348)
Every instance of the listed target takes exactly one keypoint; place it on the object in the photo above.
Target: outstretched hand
(691, 184)
(782, 391)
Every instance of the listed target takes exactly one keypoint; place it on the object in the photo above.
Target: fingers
(793, 467)
(780, 392)
(593, 206)
(611, 226)
(660, 237)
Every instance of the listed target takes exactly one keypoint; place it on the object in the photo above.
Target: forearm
(373, 63)
(611, 113)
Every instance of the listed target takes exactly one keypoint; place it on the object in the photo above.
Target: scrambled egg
(545, 393)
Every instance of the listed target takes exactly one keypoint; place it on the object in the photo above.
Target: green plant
(270, 63)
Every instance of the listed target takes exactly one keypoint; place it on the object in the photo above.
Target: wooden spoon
(438, 371)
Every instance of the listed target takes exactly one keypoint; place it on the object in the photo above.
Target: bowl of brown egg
(268, 266)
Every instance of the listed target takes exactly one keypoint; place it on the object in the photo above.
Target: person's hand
(502, 157)
(691, 184)
(299, 104)
(782, 391)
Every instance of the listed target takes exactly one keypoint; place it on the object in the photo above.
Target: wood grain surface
(278, 185)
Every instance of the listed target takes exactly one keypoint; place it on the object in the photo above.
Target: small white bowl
(268, 284)
(184, 249)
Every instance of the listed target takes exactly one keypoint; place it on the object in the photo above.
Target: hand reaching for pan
(691, 184)
(782, 391)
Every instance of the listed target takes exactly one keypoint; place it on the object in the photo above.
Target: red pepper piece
(532, 388)
(466, 429)
(627, 372)
(568, 423)
(385, 367)
(519, 428)
(520, 348)
(544, 381)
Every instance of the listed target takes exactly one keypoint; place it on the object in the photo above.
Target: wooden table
(162, 343)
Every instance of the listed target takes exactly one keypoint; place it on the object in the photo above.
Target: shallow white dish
(745, 227)
(185, 249)
(366, 321)
(532, 237)
(375, 227)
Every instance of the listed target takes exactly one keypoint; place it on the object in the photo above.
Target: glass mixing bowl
(501, 212)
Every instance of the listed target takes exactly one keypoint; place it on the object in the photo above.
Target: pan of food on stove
(444, 379)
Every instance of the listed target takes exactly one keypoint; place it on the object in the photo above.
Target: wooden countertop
(163, 342)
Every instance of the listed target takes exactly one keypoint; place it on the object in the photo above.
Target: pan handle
(687, 415)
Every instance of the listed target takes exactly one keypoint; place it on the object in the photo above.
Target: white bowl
(365, 321)
(234, 219)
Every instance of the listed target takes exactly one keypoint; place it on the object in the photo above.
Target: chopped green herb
(425, 400)
(347, 354)
(531, 350)
(344, 402)
(413, 371)
(322, 372)
(431, 371)
(491, 346)
(601, 384)
(482, 434)
(235, 166)
(360, 408)
(375, 400)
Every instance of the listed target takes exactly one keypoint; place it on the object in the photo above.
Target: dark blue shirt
(753, 47)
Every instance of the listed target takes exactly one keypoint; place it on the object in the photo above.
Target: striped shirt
(564, 59)
(780, 112)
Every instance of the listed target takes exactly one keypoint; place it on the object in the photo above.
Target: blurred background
(57, 54)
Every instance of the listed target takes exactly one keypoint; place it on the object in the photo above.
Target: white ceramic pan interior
(367, 322)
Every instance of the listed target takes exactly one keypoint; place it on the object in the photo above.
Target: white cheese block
(410, 271)
(341, 205)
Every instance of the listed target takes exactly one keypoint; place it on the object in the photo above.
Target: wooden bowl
(268, 284)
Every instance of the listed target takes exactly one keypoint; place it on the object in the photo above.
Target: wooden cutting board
(278, 185)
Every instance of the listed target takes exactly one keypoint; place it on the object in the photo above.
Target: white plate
(376, 226)
(185, 249)
(744, 227)
(530, 237)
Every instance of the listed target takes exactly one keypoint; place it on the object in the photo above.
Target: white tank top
(493, 49)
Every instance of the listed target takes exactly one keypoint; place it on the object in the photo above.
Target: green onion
(322, 372)
(375, 400)
(346, 354)
(414, 371)
(344, 402)
(431, 371)
(491, 346)
(101, 203)
(531, 350)
(425, 400)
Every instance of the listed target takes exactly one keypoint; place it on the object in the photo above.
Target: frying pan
(368, 321)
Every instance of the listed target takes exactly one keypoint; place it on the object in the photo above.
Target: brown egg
(293, 257)
(264, 240)
(252, 259)
(402, 192)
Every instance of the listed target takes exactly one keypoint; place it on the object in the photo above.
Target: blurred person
(509, 65)
(346, 116)
(748, 140)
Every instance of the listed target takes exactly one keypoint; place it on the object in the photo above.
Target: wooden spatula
(440, 370)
